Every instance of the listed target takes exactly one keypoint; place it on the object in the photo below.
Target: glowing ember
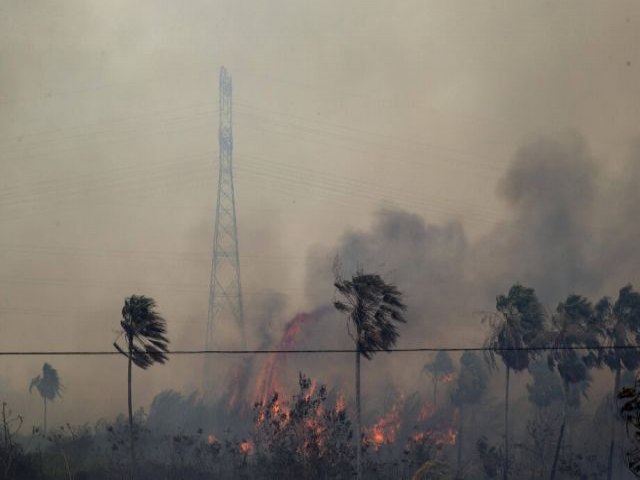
(447, 438)
(211, 439)
(246, 448)
(425, 412)
(439, 438)
(418, 437)
(377, 436)
(310, 392)
(447, 378)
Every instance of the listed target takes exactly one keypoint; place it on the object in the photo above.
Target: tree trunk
(45, 416)
(358, 421)
(505, 474)
(616, 388)
(131, 447)
(556, 456)
(460, 426)
(435, 387)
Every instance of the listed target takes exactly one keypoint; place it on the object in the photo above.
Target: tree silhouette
(471, 387)
(574, 325)
(48, 386)
(630, 412)
(441, 367)
(620, 321)
(516, 326)
(374, 307)
(144, 331)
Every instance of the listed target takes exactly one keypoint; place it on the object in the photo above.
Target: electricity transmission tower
(225, 323)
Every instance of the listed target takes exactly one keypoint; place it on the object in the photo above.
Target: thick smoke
(559, 237)
(618, 251)
(425, 261)
(548, 240)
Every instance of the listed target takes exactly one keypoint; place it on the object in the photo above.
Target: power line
(326, 350)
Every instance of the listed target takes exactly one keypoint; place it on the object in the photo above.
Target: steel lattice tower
(225, 323)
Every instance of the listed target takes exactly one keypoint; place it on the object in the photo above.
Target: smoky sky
(455, 149)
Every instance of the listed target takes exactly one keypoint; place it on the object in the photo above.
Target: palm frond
(514, 327)
(48, 383)
(145, 331)
(373, 307)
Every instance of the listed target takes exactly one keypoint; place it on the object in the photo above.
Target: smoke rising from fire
(552, 241)
(567, 231)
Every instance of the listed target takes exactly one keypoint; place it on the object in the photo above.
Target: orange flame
(211, 439)
(341, 405)
(277, 409)
(440, 439)
(439, 435)
(269, 377)
(384, 431)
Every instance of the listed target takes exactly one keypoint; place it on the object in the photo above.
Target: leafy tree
(374, 307)
(441, 366)
(620, 321)
(516, 326)
(48, 386)
(575, 325)
(471, 387)
(146, 343)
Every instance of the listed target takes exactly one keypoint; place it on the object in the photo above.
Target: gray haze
(454, 147)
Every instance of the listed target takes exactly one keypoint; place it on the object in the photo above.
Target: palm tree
(48, 386)
(373, 308)
(144, 331)
(441, 366)
(471, 387)
(515, 328)
(574, 326)
(620, 322)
